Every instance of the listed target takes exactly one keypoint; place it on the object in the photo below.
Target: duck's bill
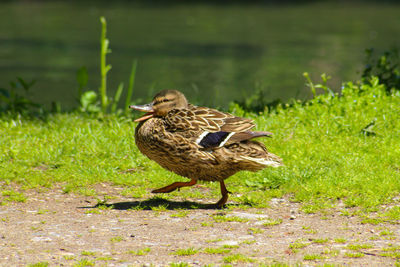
(144, 108)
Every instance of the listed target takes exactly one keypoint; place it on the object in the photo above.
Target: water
(213, 53)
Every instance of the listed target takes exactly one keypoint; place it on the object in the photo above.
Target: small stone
(227, 243)
(245, 215)
(31, 211)
(246, 237)
(292, 217)
(276, 201)
(67, 254)
(41, 239)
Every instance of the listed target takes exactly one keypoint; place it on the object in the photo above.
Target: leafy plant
(89, 102)
(257, 103)
(386, 67)
(82, 78)
(104, 68)
(93, 102)
(14, 102)
(324, 85)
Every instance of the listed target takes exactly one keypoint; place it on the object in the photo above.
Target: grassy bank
(334, 148)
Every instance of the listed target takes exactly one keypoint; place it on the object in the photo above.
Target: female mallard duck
(197, 142)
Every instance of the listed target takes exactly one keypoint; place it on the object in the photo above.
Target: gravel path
(68, 230)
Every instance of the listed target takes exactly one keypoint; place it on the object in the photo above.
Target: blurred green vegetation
(215, 53)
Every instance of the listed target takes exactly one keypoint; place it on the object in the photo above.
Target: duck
(199, 143)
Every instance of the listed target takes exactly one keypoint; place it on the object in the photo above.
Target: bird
(199, 143)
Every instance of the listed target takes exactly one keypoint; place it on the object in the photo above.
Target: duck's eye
(163, 100)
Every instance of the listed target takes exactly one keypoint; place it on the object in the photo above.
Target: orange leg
(174, 186)
(224, 193)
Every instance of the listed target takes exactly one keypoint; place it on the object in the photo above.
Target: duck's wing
(210, 128)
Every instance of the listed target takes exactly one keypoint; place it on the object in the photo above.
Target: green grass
(359, 246)
(140, 252)
(394, 255)
(391, 247)
(180, 214)
(254, 230)
(224, 218)
(84, 263)
(374, 221)
(236, 258)
(392, 214)
(330, 155)
(88, 253)
(392, 252)
(179, 264)
(298, 244)
(308, 230)
(39, 264)
(207, 224)
(216, 250)
(104, 258)
(334, 148)
(116, 239)
(387, 234)
(354, 255)
(313, 257)
(186, 252)
(11, 195)
(271, 222)
(230, 246)
(320, 240)
(68, 257)
(340, 240)
(42, 211)
(248, 242)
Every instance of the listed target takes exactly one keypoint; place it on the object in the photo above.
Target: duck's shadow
(154, 204)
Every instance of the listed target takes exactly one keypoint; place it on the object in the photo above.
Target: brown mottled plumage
(199, 143)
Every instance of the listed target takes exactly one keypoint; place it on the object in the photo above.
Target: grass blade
(117, 97)
(130, 87)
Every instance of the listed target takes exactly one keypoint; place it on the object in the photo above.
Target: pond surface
(213, 53)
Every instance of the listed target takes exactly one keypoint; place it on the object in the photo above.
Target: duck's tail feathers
(243, 136)
(270, 162)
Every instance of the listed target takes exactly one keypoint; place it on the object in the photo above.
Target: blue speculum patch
(213, 139)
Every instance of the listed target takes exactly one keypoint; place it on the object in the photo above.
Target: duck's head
(162, 103)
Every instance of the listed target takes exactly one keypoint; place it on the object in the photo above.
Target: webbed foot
(174, 186)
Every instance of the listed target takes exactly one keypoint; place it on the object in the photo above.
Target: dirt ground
(67, 230)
